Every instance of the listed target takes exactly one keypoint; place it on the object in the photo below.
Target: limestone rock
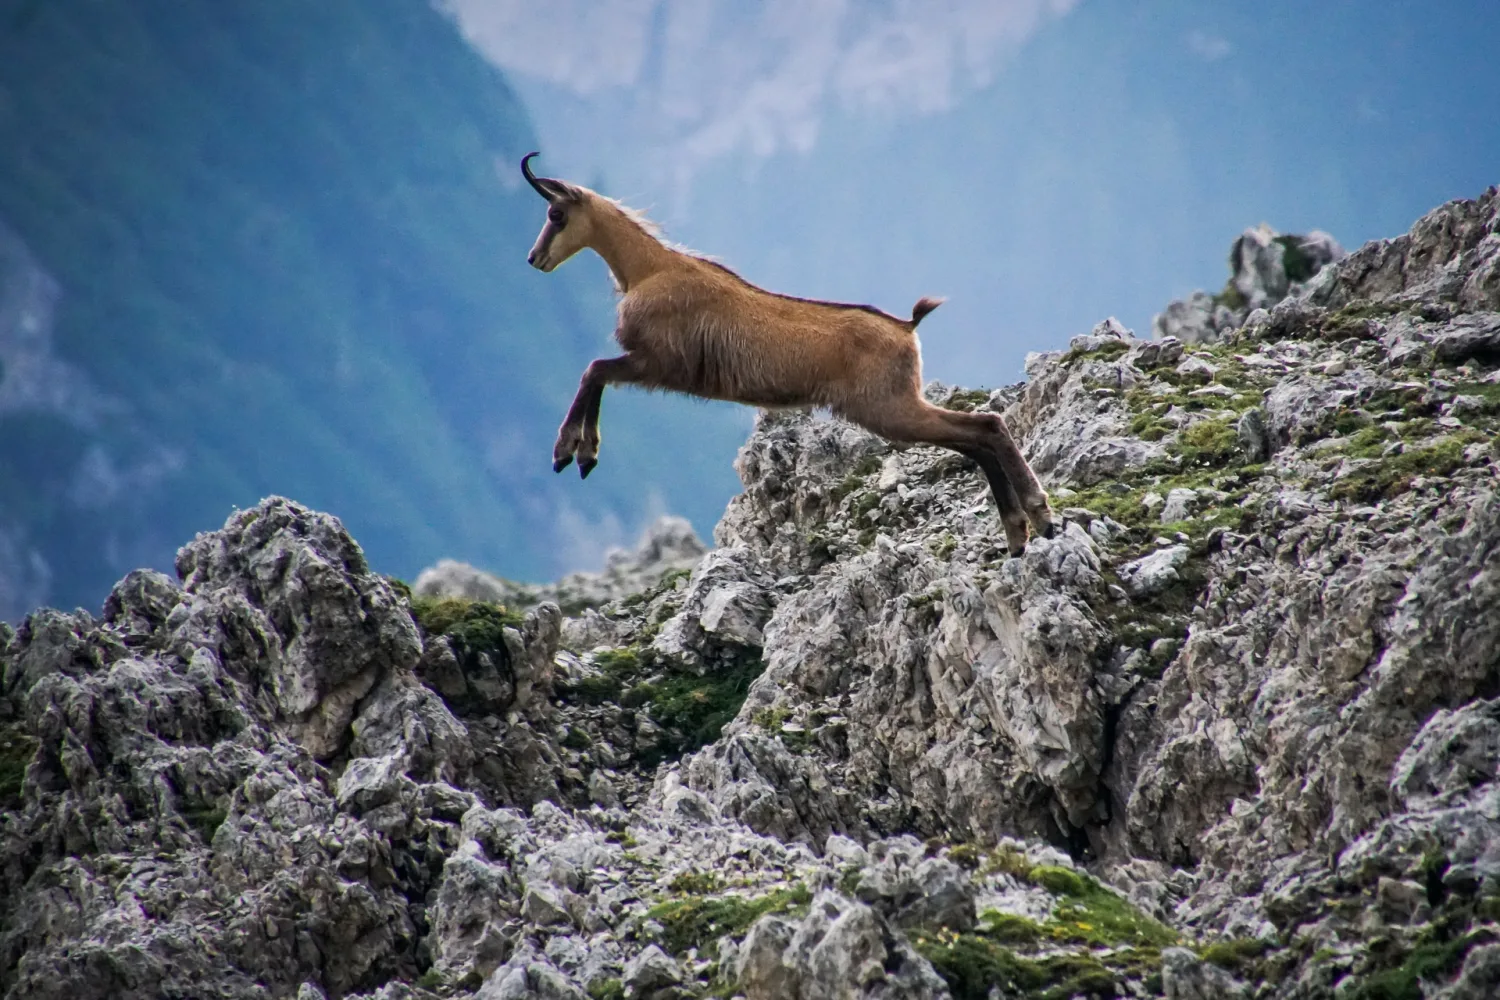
(669, 544)
(1153, 353)
(1253, 437)
(1192, 320)
(1476, 335)
(725, 606)
(651, 972)
(1185, 976)
(1179, 505)
(338, 625)
(1264, 268)
(1155, 572)
(841, 949)
(914, 891)
(1451, 255)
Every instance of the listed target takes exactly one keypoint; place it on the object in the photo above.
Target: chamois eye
(557, 215)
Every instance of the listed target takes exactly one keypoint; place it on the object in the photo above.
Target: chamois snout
(550, 250)
(558, 240)
(542, 256)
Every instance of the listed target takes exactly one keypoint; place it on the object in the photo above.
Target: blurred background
(278, 246)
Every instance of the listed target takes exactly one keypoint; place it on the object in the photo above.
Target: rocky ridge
(669, 545)
(1264, 267)
(1235, 732)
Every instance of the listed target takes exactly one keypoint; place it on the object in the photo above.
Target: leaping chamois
(693, 326)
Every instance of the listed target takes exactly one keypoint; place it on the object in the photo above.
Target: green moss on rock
(1107, 351)
(476, 624)
(1009, 929)
(973, 965)
(16, 751)
(690, 709)
(1009, 861)
(1112, 942)
(1058, 880)
(855, 478)
(967, 400)
(1151, 425)
(1392, 475)
(693, 709)
(1210, 443)
(606, 989)
(1433, 959)
(1238, 955)
(696, 883)
(1093, 915)
(698, 921)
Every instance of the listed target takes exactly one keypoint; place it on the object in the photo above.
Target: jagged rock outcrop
(1264, 268)
(1451, 257)
(1234, 732)
(669, 545)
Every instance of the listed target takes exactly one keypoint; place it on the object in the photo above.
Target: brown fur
(693, 326)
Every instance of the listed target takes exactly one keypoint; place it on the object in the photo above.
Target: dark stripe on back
(797, 298)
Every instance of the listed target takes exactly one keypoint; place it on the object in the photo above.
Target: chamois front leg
(579, 433)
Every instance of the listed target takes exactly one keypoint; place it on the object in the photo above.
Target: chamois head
(569, 224)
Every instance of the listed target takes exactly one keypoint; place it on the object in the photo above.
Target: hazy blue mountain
(288, 241)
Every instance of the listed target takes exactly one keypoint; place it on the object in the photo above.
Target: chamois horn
(531, 178)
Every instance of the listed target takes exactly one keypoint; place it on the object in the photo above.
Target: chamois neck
(632, 253)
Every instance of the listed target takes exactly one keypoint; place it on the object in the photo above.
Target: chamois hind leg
(969, 434)
(1030, 493)
(579, 433)
(1011, 514)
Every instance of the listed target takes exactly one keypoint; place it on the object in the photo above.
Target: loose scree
(693, 326)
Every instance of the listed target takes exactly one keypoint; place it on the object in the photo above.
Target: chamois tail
(925, 305)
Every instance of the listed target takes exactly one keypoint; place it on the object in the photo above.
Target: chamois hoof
(559, 464)
(1049, 530)
(1017, 551)
(585, 466)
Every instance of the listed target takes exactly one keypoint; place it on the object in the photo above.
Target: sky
(1042, 163)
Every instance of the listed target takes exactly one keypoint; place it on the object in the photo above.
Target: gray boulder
(841, 950)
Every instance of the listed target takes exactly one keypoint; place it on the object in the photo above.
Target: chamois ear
(563, 191)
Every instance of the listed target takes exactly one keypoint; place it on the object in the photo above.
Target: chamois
(693, 326)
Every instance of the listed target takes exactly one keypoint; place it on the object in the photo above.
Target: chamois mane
(690, 324)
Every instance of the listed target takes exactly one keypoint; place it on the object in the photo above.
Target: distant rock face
(1450, 258)
(1264, 267)
(1234, 732)
(669, 544)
